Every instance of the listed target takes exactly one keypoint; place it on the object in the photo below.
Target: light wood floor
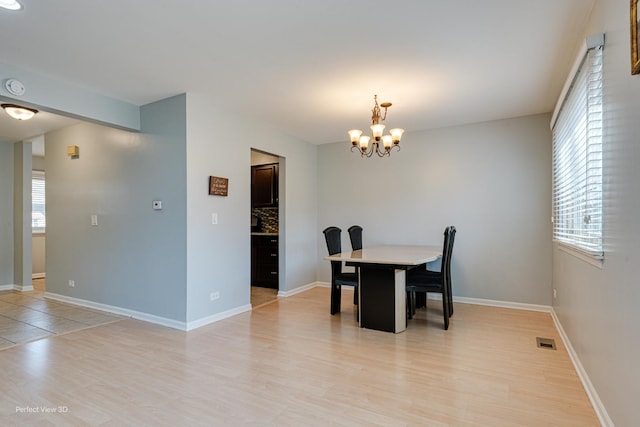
(290, 363)
(261, 296)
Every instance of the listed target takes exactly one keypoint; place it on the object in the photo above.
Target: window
(38, 218)
(577, 161)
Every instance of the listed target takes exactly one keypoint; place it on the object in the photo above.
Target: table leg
(383, 299)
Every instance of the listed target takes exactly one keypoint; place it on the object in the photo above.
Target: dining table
(382, 296)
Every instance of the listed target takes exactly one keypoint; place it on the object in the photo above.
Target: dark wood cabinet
(264, 186)
(264, 261)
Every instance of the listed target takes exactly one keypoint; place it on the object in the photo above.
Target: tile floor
(28, 316)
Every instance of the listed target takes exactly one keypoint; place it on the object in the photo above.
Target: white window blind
(577, 161)
(38, 216)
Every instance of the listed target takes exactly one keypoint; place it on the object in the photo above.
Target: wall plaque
(218, 186)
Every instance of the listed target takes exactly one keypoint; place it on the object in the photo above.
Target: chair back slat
(355, 235)
(447, 251)
(332, 236)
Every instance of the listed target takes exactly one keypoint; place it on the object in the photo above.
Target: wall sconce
(73, 151)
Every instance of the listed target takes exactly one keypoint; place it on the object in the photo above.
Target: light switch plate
(94, 219)
(214, 218)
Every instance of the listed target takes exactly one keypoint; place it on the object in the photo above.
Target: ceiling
(310, 68)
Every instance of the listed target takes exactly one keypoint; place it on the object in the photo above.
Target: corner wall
(491, 180)
(219, 256)
(598, 308)
(135, 257)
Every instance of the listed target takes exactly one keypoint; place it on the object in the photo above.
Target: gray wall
(6, 214)
(59, 96)
(598, 308)
(37, 162)
(22, 214)
(135, 257)
(218, 256)
(38, 264)
(491, 180)
(167, 263)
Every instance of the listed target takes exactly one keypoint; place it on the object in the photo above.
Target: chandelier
(392, 140)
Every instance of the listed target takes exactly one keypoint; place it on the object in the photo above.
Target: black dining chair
(423, 281)
(355, 235)
(339, 278)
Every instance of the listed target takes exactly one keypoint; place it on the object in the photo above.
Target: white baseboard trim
(323, 284)
(496, 303)
(151, 318)
(171, 323)
(217, 317)
(464, 300)
(302, 288)
(598, 406)
(38, 275)
(13, 287)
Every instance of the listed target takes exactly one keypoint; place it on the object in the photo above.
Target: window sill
(582, 255)
(39, 233)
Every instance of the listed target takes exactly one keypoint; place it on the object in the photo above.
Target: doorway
(266, 227)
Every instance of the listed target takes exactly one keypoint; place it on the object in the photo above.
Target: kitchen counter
(263, 234)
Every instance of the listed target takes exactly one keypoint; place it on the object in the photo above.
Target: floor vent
(546, 343)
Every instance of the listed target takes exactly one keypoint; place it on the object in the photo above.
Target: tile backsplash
(269, 218)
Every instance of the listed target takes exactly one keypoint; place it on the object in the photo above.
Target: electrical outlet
(214, 295)
(555, 293)
(72, 283)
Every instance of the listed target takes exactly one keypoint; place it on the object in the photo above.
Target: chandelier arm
(369, 152)
(385, 152)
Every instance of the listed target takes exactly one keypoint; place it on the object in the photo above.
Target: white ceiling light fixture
(18, 112)
(361, 142)
(10, 4)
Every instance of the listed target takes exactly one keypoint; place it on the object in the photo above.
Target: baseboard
(13, 287)
(465, 300)
(38, 275)
(598, 406)
(217, 317)
(171, 323)
(302, 288)
(496, 303)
